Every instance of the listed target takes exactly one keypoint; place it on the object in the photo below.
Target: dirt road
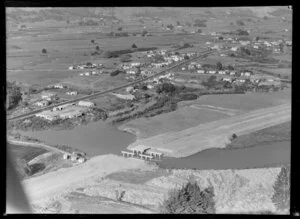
(43, 188)
(216, 134)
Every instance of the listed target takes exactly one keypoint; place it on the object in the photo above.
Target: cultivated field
(216, 134)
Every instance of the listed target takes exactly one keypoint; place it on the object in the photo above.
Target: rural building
(66, 156)
(61, 107)
(128, 89)
(46, 115)
(59, 86)
(86, 103)
(71, 114)
(47, 95)
(74, 93)
(71, 68)
(135, 64)
(227, 79)
(234, 49)
(125, 96)
(200, 71)
(42, 103)
(81, 159)
(149, 86)
(81, 74)
(232, 73)
(212, 72)
(221, 72)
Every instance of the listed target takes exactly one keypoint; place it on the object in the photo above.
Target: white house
(222, 72)
(86, 103)
(212, 72)
(59, 86)
(135, 64)
(232, 73)
(71, 68)
(130, 72)
(183, 68)
(200, 71)
(86, 73)
(227, 79)
(128, 89)
(81, 74)
(234, 49)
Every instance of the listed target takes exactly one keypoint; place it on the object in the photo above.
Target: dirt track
(216, 134)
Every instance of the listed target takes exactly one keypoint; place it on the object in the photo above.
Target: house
(149, 86)
(42, 103)
(71, 68)
(47, 96)
(128, 89)
(86, 103)
(183, 68)
(70, 114)
(125, 96)
(81, 74)
(46, 115)
(131, 72)
(221, 72)
(81, 159)
(232, 73)
(247, 74)
(86, 73)
(234, 49)
(73, 158)
(200, 71)
(135, 64)
(74, 93)
(94, 73)
(66, 156)
(61, 107)
(227, 79)
(59, 86)
(211, 72)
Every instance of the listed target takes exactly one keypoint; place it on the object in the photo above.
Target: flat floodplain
(206, 108)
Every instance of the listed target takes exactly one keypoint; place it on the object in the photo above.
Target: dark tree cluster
(190, 199)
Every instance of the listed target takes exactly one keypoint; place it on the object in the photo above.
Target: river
(262, 155)
(96, 138)
(100, 138)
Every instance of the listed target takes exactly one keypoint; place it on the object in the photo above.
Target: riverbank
(215, 134)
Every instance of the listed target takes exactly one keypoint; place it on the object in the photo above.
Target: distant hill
(19, 15)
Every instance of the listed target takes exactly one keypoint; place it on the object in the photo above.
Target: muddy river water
(100, 138)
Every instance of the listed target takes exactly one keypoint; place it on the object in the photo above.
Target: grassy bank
(276, 133)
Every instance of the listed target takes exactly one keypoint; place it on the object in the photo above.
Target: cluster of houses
(66, 111)
(86, 66)
(255, 44)
(57, 86)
